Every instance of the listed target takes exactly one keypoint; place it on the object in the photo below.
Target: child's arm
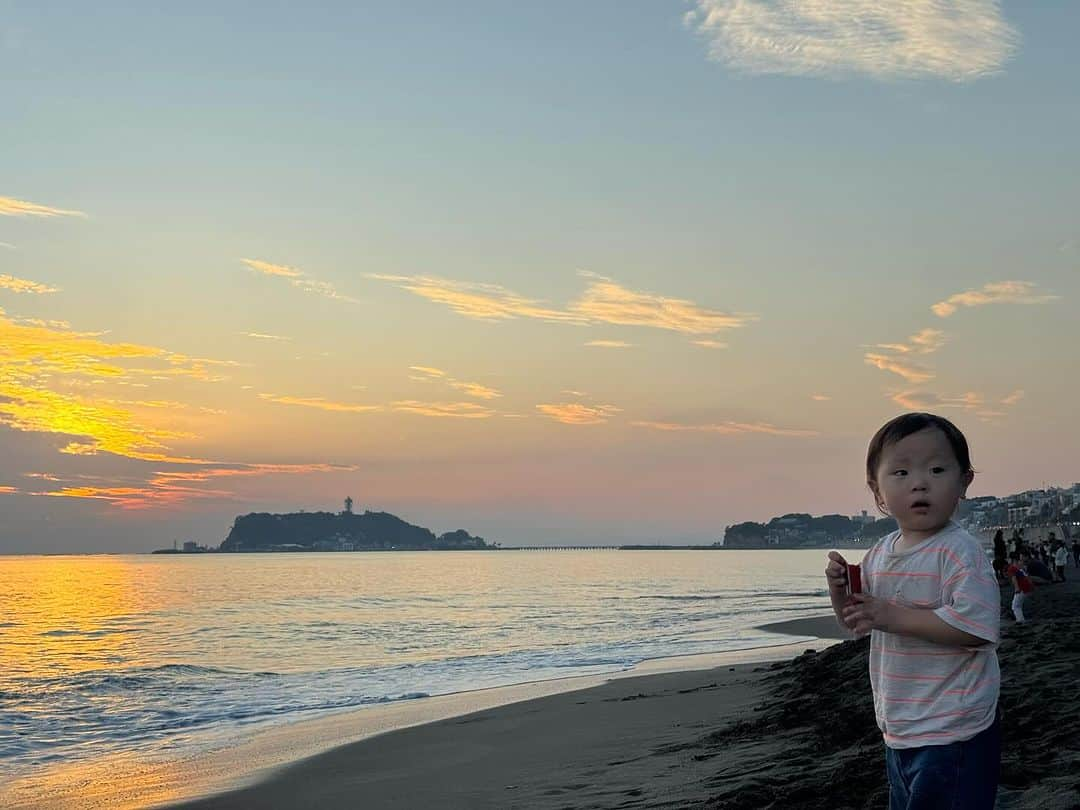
(866, 613)
(1016, 585)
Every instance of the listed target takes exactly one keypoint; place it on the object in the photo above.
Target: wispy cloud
(20, 285)
(925, 401)
(170, 489)
(726, 428)
(486, 302)
(709, 344)
(997, 292)
(577, 413)
(955, 40)
(271, 269)
(7, 245)
(450, 410)
(476, 390)
(820, 397)
(912, 372)
(1013, 398)
(5, 490)
(261, 336)
(603, 302)
(429, 371)
(298, 278)
(606, 301)
(472, 389)
(925, 341)
(10, 207)
(322, 404)
(610, 344)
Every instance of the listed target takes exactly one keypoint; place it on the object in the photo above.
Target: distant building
(190, 546)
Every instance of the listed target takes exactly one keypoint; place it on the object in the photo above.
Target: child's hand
(864, 613)
(836, 572)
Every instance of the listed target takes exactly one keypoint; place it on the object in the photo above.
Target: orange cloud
(10, 207)
(169, 489)
(605, 301)
(20, 285)
(476, 390)
(1013, 398)
(479, 301)
(431, 372)
(998, 292)
(728, 428)
(454, 410)
(820, 397)
(909, 371)
(36, 360)
(924, 401)
(322, 404)
(297, 278)
(8, 490)
(577, 413)
(610, 344)
(271, 269)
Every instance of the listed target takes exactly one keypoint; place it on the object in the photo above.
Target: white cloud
(10, 207)
(996, 292)
(956, 40)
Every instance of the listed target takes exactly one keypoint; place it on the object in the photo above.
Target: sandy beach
(776, 735)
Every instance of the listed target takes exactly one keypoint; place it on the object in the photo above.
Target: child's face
(920, 481)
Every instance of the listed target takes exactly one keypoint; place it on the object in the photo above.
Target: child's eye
(938, 470)
(899, 472)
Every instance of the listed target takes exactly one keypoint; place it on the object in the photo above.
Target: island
(341, 531)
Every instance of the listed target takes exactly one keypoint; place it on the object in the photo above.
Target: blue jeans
(958, 776)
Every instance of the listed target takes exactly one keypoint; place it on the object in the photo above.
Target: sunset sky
(550, 272)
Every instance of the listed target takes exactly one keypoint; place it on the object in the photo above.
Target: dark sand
(767, 736)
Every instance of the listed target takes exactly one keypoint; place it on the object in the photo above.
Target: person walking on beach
(1061, 559)
(1022, 586)
(931, 607)
(1076, 553)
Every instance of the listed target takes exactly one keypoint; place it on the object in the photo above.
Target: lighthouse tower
(348, 506)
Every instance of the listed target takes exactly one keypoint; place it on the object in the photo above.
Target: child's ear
(966, 480)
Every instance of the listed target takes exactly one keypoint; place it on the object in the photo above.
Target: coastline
(740, 737)
(121, 782)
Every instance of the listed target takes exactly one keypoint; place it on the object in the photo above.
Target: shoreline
(119, 782)
(741, 737)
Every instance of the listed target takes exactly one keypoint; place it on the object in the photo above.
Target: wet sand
(777, 735)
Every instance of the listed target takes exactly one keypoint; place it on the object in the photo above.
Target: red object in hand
(854, 578)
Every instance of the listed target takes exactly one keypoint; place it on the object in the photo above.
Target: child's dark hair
(903, 426)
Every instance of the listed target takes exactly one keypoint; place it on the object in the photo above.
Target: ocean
(167, 656)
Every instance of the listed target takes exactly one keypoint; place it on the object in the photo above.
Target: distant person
(1022, 586)
(1000, 563)
(1017, 541)
(1061, 559)
(938, 713)
(1076, 553)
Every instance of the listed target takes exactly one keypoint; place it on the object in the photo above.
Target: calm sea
(166, 655)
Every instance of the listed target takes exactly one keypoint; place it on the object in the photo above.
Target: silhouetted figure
(1000, 563)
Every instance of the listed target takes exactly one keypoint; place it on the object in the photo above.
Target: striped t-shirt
(927, 693)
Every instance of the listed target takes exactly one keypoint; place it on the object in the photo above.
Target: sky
(553, 273)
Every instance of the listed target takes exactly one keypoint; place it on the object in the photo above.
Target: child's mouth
(920, 506)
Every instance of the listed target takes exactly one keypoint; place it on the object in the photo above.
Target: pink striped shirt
(926, 693)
